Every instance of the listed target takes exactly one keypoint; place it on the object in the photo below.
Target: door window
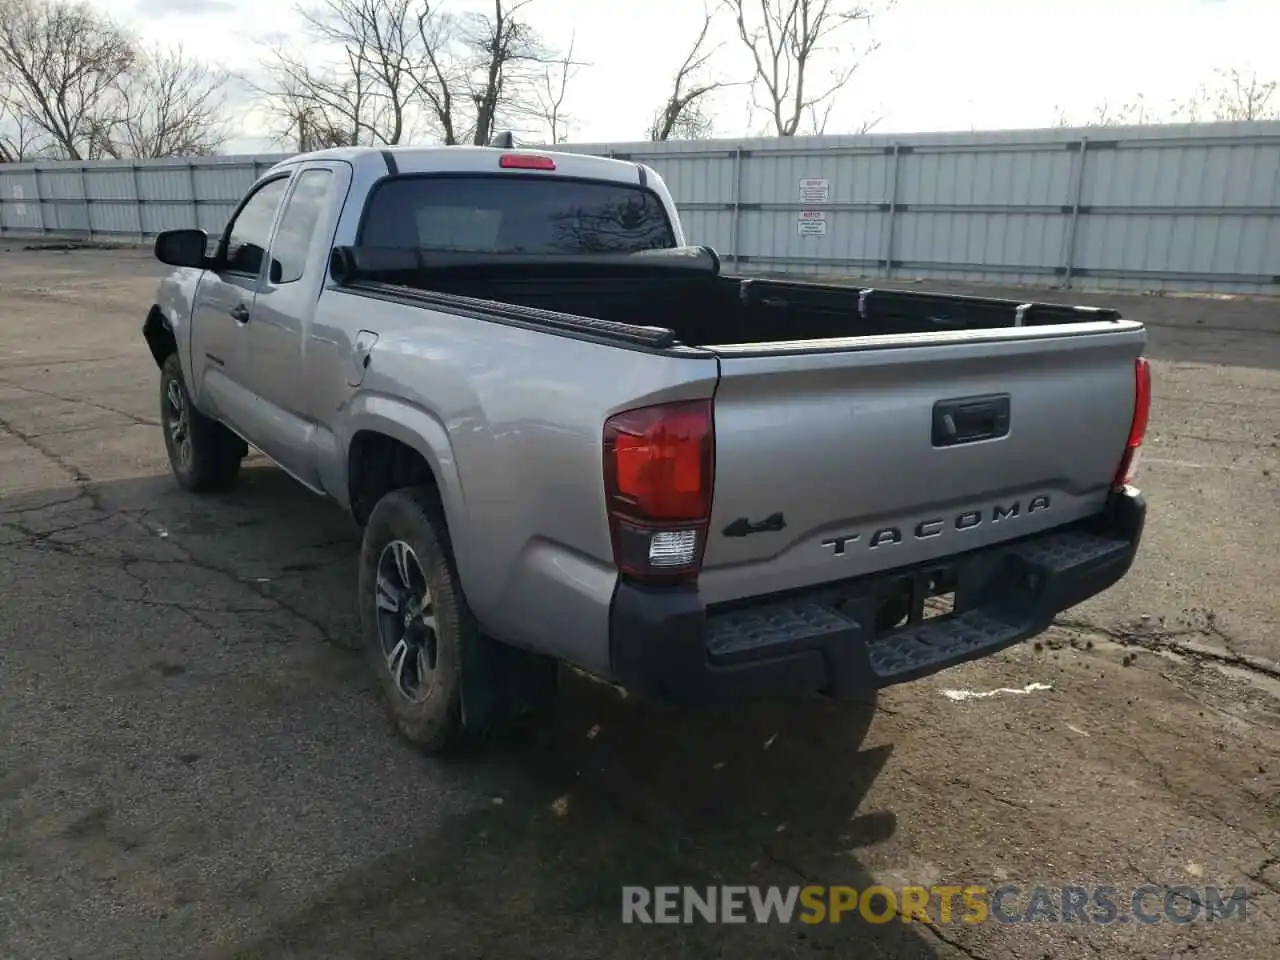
(250, 231)
(298, 226)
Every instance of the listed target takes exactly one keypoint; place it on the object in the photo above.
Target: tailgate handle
(969, 419)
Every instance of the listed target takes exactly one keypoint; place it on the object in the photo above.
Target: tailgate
(853, 459)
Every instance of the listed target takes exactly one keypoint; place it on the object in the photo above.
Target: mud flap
(501, 683)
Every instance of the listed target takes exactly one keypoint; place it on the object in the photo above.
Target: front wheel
(203, 454)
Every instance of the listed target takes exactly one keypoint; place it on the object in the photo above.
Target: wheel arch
(159, 335)
(394, 444)
(379, 462)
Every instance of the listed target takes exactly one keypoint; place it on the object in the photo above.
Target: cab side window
(298, 226)
(250, 232)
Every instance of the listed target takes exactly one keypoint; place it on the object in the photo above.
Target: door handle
(240, 313)
(970, 419)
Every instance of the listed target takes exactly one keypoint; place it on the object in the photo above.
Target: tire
(203, 454)
(405, 539)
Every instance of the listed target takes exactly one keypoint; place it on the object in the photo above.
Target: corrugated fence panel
(20, 209)
(703, 188)
(63, 196)
(218, 189)
(1204, 211)
(991, 212)
(1192, 206)
(113, 200)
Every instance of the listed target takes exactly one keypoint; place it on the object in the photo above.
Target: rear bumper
(665, 644)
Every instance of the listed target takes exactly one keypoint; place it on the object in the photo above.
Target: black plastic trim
(389, 159)
(656, 339)
(661, 642)
(348, 264)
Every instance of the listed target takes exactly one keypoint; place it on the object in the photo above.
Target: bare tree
(310, 108)
(550, 93)
(1235, 95)
(318, 104)
(18, 140)
(170, 105)
(1130, 113)
(785, 38)
(379, 39)
(397, 68)
(683, 115)
(506, 57)
(1137, 111)
(1195, 108)
(439, 78)
(1244, 96)
(363, 69)
(62, 64)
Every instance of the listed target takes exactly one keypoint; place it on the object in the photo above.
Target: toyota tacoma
(570, 436)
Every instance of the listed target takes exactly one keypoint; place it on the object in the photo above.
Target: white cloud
(148, 9)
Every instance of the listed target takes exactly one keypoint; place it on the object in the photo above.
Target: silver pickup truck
(570, 437)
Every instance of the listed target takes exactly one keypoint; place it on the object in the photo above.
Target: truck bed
(683, 292)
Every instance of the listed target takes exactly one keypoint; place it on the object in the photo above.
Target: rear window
(514, 214)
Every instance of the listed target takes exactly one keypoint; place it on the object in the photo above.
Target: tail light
(1138, 429)
(658, 478)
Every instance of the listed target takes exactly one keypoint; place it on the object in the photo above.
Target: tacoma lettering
(1001, 513)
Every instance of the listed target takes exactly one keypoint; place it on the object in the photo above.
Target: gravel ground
(190, 767)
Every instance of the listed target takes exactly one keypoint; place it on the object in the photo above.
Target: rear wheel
(203, 454)
(415, 623)
(424, 643)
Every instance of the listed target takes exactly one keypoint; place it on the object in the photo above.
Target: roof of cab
(469, 159)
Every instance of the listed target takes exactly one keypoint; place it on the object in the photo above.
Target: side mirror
(183, 248)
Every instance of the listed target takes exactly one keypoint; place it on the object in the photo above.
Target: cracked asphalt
(192, 765)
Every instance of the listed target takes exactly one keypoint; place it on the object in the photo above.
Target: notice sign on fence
(19, 209)
(813, 190)
(812, 223)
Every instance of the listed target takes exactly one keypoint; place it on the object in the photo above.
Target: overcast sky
(942, 64)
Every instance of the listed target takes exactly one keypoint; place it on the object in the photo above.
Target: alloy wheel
(406, 621)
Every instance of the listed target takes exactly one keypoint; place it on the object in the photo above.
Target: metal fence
(1193, 207)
